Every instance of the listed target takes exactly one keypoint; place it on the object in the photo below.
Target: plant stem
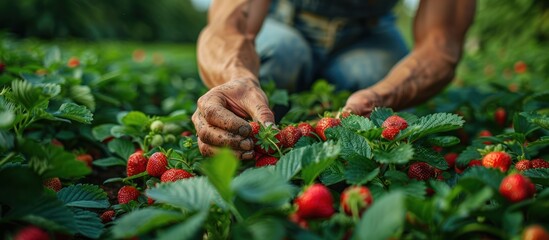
(7, 158)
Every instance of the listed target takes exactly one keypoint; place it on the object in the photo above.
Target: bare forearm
(226, 48)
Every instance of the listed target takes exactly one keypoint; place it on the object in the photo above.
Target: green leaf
(185, 230)
(25, 94)
(356, 123)
(443, 141)
(400, 154)
(7, 141)
(7, 115)
(512, 222)
(50, 161)
(89, 224)
(279, 97)
(415, 189)
(353, 146)
(136, 119)
(384, 218)
(422, 210)
(22, 184)
(53, 55)
(433, 123)
(84, 196)
(430, 156)
(109, 162)
(50, 89)
(220, 171)
(379, 115)
(82, 94)
(192, 194)
(273, 228)
(476, 200)
(333, 174)
(490, 176)
(538, 175)
(318, 161)
(290, 164)
(75, 112)
(361, 171)
(272, 189)
(536, 118)
(470, 153)
(121, 147)
(120, 131)
(143, 221)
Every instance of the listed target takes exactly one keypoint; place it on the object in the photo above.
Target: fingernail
(248, 155)
(244, 130)
(246, 144)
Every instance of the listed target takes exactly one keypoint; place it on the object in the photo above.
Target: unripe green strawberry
(539, 163)
(499, 160)
(107, 216)
(265, 160)
(157, 140)
(395, 122)
(170, 138)
(323, 124)
(358, 197)
(31, 233)
(516, 188)
(53, 184)
(172, 175)
(137, 163)
(157, 164)
(315, 202)
(157, 126)
(390, 133)
(127, 194)
(421, 171)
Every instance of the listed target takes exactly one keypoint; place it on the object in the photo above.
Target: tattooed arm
(229, 66)
(439, 32)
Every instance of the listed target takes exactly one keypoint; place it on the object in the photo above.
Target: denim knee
(285, 56)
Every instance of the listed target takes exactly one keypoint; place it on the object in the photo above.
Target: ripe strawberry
(421, 171)
(31, 233)
(127, 194)
(500, 116)
(390, 133)
(451, 159)
(157, 164)
(520, 67)
(172, 175)
(539, 163)
(56, 142)
(315, 202)
(500, 160)
(323, 124)
(137, 163)
(265, 160)
(299, 221)
(395, 122)
(255, 129)
(265, 138)
(472, 163)
(516, 188)
(107, 216)
(535, 232)
(186, 133)
(289, 136)
(73, 62)
(85, 158)
(438, 174)
(485, 133)
(53, 184)
(437, 148)
(306, 129)
(523, 165)
(358, 197)
(2, 67)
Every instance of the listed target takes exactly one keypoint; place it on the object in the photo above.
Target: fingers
(218, 137)
(260, 111)
(213, 110)
(209, 150)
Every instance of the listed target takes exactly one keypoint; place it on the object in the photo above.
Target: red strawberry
(390, 133)
(520, 67)
(315, 202)
(535, 232)
(437, 148)
(500, 116)
(56, 142)
(516, 188)
(31, 233)
(323, 124)
(73, 62)
(539, 163)
(127, 194)
(357, 196)
(485, 133)
(299, 221)
(500, 160)
(306, 129)
(395, 122)
(523, 165)
(473, 163)
(438, 174)
(172, 175)
(451, 159)
(157, 164)
(255, 129)
(107, 216)
(85, 158)
(53, 184)
(421, 171)
(137, 163)
(186, 133)
(265, 160)
(289, 136)
(150, 201)
(2, 67)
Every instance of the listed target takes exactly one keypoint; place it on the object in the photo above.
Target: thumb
(262, 113)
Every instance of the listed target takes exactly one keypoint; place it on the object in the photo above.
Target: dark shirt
(346, 8)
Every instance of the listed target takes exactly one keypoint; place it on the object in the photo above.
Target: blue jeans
(297, 48)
